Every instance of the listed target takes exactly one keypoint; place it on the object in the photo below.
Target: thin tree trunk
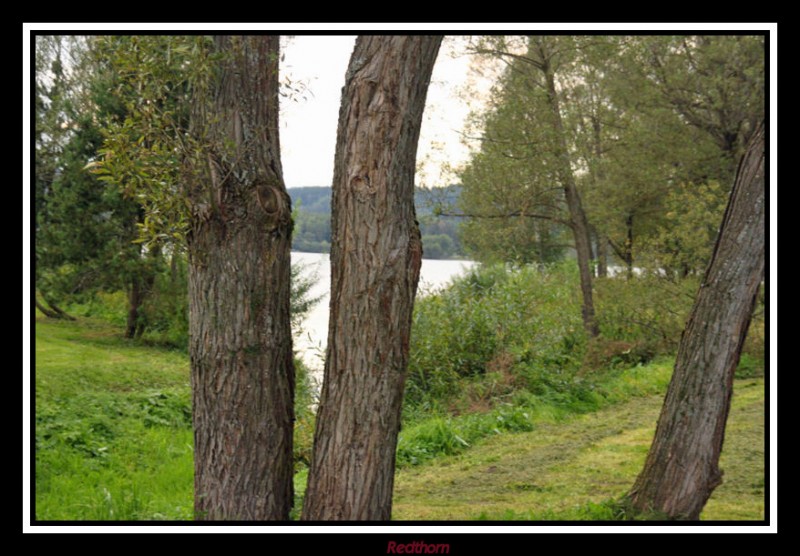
(597, 177)
(173, 269)
(579, 225)
(55, 310)
(134, 303)
(602, 255)
(375, 261)
(146, 286)
(240, 333)
(629, 246)
(592, 244)
(682, 467)
(47, 312)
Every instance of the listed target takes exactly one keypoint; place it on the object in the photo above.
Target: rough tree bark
(682, 467)
(375, 260)
(241, 347)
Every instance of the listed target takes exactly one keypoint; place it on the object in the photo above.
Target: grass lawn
(113, 426)
(114, 441)
(561, 470)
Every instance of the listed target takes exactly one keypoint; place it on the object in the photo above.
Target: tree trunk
(53, 309)
(173, 269)
(141, 286)
(592, 245)
(682, 467)
(134, 302)
(240, 335)
(148, 282)
(579, 225)
(602, 255)
(375, 260)
(629, 246)
(47, 312)
(598, 176)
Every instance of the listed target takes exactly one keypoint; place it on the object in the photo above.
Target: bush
(505, 325)
(499, 329)
(165, 311)
(602, 353)
(111, 307)
(646, 311)
(304, 400)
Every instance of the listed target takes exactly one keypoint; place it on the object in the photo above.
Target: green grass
(431, 437)
(113, 427)
(114, 441)
(570, 469)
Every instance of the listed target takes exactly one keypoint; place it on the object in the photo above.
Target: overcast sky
(309, 119)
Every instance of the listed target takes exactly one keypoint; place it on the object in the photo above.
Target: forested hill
(312, 231)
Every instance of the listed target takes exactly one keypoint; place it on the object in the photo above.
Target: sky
(316, 66)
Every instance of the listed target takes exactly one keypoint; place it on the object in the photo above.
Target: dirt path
(554, 471)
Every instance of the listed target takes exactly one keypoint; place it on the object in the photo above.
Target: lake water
(310, 343)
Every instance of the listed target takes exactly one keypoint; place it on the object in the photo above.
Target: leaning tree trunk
(45, 311)
(52, 310)
(375, 260)
(578, 222)
(240, 346)
(682, 467)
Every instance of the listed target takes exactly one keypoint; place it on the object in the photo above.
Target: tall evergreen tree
(86, 228)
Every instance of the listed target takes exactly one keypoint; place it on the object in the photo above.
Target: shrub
(165, 310)
(494, 330)
(304, 400)
(602, 353)
(111, 307)
(499, 329)
(647, 311)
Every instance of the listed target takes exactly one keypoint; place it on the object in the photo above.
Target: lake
(310, 343)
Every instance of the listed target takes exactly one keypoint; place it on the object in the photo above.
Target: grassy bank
(113, 441)
(113, 426)
(525, 411)
(566, 469)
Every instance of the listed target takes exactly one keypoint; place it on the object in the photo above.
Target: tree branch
(47, 312)
(501, 54)
(514, 214)
(617, 249)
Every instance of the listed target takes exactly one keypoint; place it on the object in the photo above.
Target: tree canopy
(650, 123)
